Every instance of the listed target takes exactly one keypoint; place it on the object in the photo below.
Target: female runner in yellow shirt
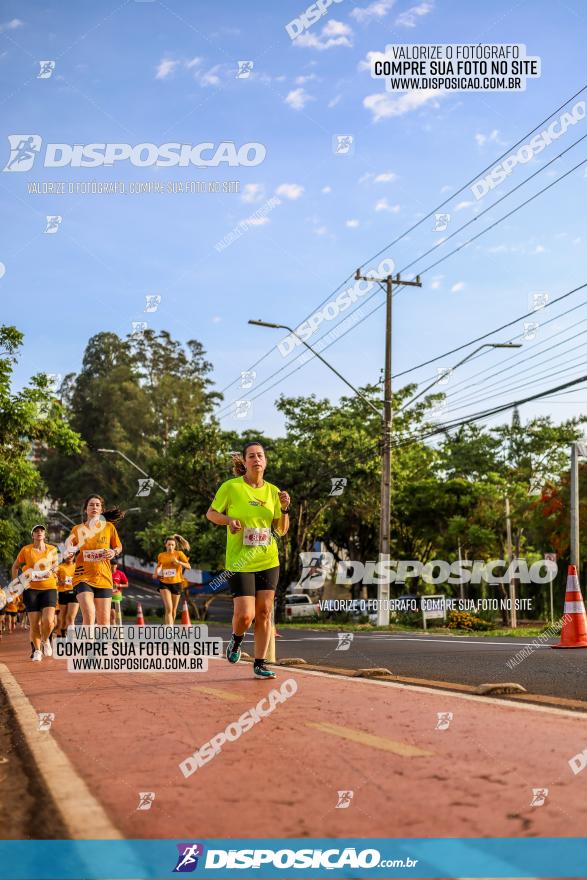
(39, 562)
(68, 604)
(95, 542)
(169, 570)
(251, 509)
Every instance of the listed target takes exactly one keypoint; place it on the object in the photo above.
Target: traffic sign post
(433, 608)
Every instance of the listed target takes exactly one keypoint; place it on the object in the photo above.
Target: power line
(426, 217)
(422, 272)
(521, 336)
(515, 365)
(494, 411)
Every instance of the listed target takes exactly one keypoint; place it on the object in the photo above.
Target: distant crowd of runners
(87, 579)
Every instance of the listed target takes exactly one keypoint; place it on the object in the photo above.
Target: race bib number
(94, 555)
(40, 575)
(169, 572)
(257, 537)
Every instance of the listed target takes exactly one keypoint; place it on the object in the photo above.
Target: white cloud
(211, 77)
(352, 224)
(436, 282)
(456, 288)
(462, 205)
(165, 68)
(300, 80)
(445, 188)
(498, 249)
(577, 240)
(321, 230)
(253, 192)
(11, 25)
(386, 177)
(291, 191)
(298, 98)
(371, 56)
(194, 62)
(383, 105)
(334, 101)
(410, 17)
(539, 249)
(383, 205)
(216, 319)
(326, 189)
(334, 33)
(482, 139)
(377, 9)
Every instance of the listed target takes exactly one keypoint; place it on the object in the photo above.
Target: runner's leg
(103, 611)
(35, 620)
(167, 605)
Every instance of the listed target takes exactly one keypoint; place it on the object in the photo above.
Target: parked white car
(300, 605)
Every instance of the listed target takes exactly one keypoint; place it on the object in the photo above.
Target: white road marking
(391, 638)
(422, 689)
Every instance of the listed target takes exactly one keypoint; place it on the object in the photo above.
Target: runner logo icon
(187, 860)
(23, 151)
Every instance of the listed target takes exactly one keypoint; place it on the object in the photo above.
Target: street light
(130, 461)
(468, 357)
(383, 615)
(260, 323)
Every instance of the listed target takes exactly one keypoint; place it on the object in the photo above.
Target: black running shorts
(174, 589)
(248, 583)
(36, 600)
(99, 592)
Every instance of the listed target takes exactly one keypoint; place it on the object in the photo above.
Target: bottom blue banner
(300, 857)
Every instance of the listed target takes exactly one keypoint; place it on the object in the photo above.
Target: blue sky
(160, 72)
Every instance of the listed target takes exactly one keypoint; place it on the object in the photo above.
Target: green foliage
(31, 419)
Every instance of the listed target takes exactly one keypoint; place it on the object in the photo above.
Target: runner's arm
(219, 519)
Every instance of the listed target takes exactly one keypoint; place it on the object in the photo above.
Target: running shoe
(37, 657)
(47, 648)
(233, 654)
(263, 671)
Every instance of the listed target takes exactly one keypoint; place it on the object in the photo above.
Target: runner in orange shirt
(68, 604)
(96, 542)
(169, 570)
(39, 562)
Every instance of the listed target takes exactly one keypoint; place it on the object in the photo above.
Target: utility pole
(508, 526)
(575, 505)
(383, 587)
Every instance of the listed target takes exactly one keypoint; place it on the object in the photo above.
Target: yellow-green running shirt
(253, 548)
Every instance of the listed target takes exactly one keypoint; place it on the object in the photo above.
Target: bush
(464, 620)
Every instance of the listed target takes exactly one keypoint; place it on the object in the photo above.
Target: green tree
(30, 420)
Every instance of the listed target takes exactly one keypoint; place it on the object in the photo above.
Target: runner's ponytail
(238, 465)
(114, 514)
(181, 541)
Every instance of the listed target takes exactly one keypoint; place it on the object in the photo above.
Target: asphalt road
(460, 659)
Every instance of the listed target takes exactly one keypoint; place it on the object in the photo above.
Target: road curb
(539, 699)
(77, 807)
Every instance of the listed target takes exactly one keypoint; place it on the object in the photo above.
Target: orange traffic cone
(185, 614)
(140, 618)
(574, 631)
